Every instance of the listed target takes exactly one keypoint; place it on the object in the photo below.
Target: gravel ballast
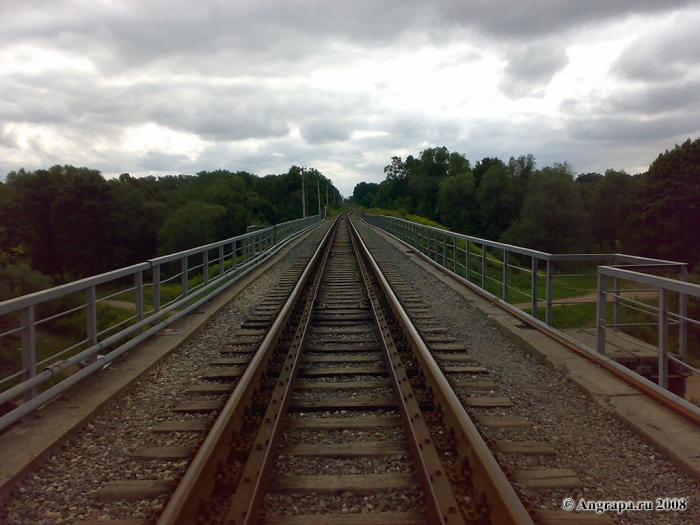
(611, 461)
(66, 487)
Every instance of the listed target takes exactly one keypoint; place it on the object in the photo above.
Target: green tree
(35, 192)
(609, 207)
(498, 201)
(194, 224)
(13, 229)
(665, 215)
(552, 218)
(456, 204)
(364, 193)
(482, 166)
(81, 218)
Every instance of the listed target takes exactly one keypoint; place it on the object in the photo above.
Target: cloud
(658, 100)
(667, 52)
(531, 67)
(168, 86)
(321, 131)
(534, 19)
(622, 129)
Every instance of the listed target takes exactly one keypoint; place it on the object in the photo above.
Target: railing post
(415, 236)
(483, 266)
(506, 275)
(467, 260)
(683, 315)
(616, 306)
(601, 313)
(663, 337)
(138, 298)
(235, 256)
(221, 260)
(91, 319)
(533, 287)
(454, 255)
(550, 283)
(156, 288)
(28, 348)
(183, 276)
(444, 250)
(205, 268)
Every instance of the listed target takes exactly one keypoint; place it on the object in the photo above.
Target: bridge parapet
(155, 293)
(527, 279)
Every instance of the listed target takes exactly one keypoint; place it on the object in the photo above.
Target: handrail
(245, 252)
(453, 252)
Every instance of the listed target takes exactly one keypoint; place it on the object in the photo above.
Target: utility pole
(318, 191)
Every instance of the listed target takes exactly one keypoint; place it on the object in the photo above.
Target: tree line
(653, 214)
(66, 223)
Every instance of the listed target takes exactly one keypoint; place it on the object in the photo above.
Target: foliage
(20, 279)
(665, 213)
(609, 207)
(194, 224)
(69, 223)
(498, 200)
(552, 218)
(456, 201)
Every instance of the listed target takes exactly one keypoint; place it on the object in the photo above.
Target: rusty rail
(504, 504)
(199, 479)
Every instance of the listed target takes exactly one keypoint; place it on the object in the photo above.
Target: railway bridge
(356, 370)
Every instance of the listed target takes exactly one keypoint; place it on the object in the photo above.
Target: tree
(498, 201)
(424, 180)
(482, 166)
(81, 218)
(609, 207)
(552, 218)
(396, 170)
(364, 192)
(665, 213)
(35, 192)
(456, 204)
(194, 224)
(13, 229)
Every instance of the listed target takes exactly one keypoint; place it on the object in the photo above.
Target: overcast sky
(166, 86)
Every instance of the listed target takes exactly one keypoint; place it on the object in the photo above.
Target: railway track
(305, 422)
(337, 420)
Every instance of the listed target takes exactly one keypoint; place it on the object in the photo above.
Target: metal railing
(493, 266)
(662, 316)
(162, 290)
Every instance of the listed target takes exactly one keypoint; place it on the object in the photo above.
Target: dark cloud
(664, 53)
(658, 100)
(531, 67)
(239, 76)
(628, 130)
(515, 20)
(320, 131)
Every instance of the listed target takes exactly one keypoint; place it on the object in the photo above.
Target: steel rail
(246, 503)
(504, 505)
(654, 391)
(199, 479)
(442, 506)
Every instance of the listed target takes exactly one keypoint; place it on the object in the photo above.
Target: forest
(653, 214)
(65, 223)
